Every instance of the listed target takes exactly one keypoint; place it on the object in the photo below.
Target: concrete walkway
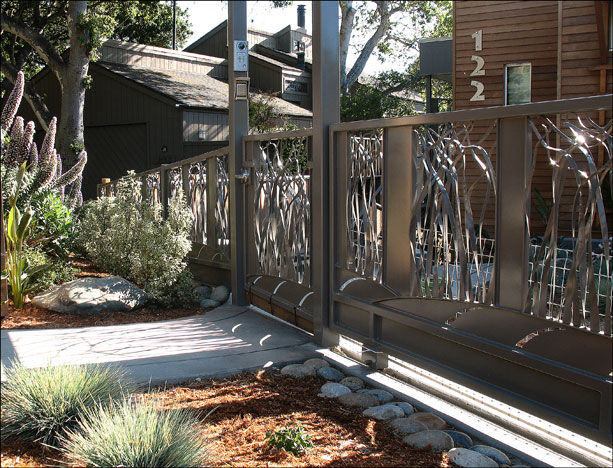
(221, 342)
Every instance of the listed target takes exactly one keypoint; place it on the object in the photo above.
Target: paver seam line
(229, 355)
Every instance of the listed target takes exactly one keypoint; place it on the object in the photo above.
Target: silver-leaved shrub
(130, 238)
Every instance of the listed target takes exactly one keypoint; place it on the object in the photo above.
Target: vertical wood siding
(216, 126)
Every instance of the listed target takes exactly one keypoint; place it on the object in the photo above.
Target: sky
(205, 15)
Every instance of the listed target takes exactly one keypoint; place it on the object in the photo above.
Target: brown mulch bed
(31, 317)
(248, 405)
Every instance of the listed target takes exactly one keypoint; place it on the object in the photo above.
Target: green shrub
(57, 270)
(136, 433)
(39, 404)
(178, 294)
(130, 238)
(293, 440)
(53, 226)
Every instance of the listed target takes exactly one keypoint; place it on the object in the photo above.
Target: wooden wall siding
(217, 44)
(513, 32)
(216, 126)
(156, 57)
(518, 32)
(308, 43)
(191, 149)
(265, 76)
(580, 51)
(303, 99)
(114, 100)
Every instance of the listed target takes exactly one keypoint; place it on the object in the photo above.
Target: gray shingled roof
(191, 89)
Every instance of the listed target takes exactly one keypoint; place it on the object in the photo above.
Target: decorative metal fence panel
(204, 182)
(281, 205)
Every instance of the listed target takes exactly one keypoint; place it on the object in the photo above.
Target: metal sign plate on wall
(241, 56)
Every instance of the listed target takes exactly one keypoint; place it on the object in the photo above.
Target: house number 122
(479, 64)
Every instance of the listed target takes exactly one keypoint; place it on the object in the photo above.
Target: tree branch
(39, 43)
(360, 63)
(42, 113)
(348, 14)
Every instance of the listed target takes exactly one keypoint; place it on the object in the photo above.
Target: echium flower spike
(12, 152)
(58, 167)
(47, 170)
(49, 142)
(26, 143)
(75, 171)
(33, 157)
(75, 198)
(12, 104)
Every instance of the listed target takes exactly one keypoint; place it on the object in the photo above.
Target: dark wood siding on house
(215, 125)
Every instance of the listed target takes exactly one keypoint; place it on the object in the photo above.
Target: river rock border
(418, 429)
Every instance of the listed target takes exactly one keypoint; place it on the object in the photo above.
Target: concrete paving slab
(221, 342)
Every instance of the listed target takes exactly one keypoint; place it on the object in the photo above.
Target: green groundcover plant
(39, 404)
(135, 432)
(290, 439)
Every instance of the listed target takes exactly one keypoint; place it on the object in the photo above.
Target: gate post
(326, 111)
(239, 127)
(513, 164)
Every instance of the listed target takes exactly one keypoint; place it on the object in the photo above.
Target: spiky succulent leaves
(12, 151)
(26, 143)
(33, 157)
(74, 172)
(12, 104)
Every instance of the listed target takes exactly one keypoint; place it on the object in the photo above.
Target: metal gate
(418, 275)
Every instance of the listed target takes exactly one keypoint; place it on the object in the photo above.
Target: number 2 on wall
(478, 96)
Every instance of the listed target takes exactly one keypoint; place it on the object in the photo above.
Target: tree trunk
(348, 14)
(70, 125)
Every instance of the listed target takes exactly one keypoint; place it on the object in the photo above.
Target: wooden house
(279, 62)
(513, 52)
(149, 106)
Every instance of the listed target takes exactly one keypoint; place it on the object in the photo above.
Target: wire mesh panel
(365, 204)
(574, 285)
(282, 208)
(455, 188)
(197, 200)
(222, 207)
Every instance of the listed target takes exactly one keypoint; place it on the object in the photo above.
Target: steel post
(326, 111)
(239, 127)
(512, 242)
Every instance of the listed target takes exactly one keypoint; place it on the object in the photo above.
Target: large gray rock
(298, 370)
(91, 296)
(434, 440)
(205, 303)
(406, 407)
(383, 413)
(382, 396)
(330, 373)
(316, 363)
(360, 400)
(354, 383)
(203, 292)
(408, 426)
(460, 439)
(431, 421)
(470, 459)
(220, 294)
(333, 390)
(493, 453)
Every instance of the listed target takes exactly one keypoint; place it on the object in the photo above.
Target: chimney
(301, 17)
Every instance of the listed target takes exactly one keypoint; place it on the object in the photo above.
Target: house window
(517, 83)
